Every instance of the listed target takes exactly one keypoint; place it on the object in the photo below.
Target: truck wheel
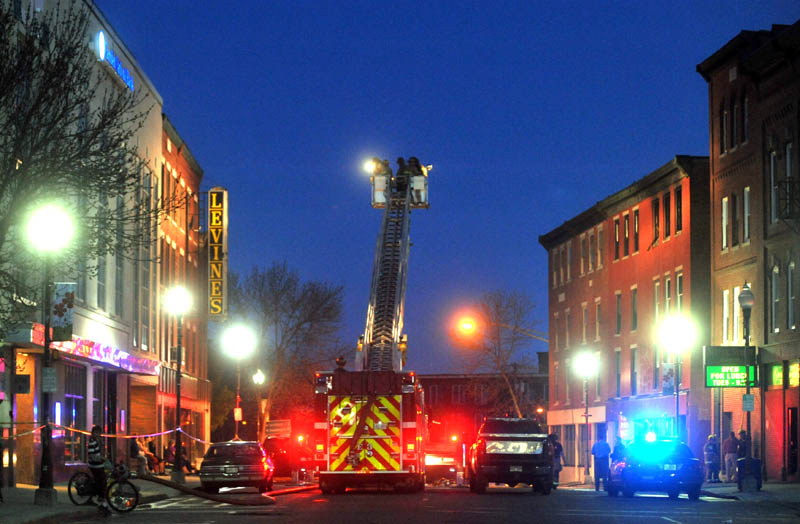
(694, 493)
(612, 491)
(481, 483)
(472, 484)
(325, 487)
(673, 493)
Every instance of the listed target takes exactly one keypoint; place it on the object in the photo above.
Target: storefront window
(74, 412)
(775, 375)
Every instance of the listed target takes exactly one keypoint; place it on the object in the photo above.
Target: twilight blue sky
(530, 112)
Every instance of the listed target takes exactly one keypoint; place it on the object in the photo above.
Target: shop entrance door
(791, 423)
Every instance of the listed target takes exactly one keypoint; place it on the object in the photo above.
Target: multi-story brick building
(754, 121)
(615, 272)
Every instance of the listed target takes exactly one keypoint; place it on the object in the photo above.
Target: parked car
(511, 451)
(656, 465)
(236, 464)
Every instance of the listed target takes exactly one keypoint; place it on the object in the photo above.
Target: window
(584, 322)
(569, 260)
(119, 276)
(745, 119)
(555, 268)
(775, 290)
(789, 160)
(619, 314)
(773, 187)
(555, 332)
(679, 291)
(433, 394)
(592, 251)
(562, 269)
(734, 220)
(736, 337)
(597, 321)
(569, 445)
(101, 282)
(678, 209)
(723, 131)
(656, 367)
(567, 381)
(458, 394)
(584, 255)
(634, 371)
(635, 230)
(555, 381)
(726, 316)
(735, 125)
(667, 208)
(566, 328)
(791, 322)
(599, 247)
(634, 314)
(618, 377)
(656, 300)
(746, 214)
(724, 222)
(667, 295)
(616, 239)
(655, 220)
(626, 245)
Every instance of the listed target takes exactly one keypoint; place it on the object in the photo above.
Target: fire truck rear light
(410, 447)
(320, 447)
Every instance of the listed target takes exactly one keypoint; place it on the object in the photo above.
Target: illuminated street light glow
(177, 300)
(259, 378)
(467, 325)
(238, 341)
(50, 228)
(677, 334)
(586, 365)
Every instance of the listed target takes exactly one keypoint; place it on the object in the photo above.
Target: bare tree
(68, 134)
(498, 343)
(298, 324)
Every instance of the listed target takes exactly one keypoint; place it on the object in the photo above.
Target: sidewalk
(783, 493)
(18, 507)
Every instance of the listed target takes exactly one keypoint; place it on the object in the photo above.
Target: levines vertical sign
(217, 252)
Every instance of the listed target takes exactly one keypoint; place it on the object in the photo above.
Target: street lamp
(677, 334)
(746, 301)
(177, 302)
(586, 365)
(238, 342)
(49, 229)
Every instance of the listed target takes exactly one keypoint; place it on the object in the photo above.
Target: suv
(234, 464)
(511, 451)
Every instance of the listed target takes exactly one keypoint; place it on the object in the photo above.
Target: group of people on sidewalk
(724, 458)
(144, 458)
(716, 458)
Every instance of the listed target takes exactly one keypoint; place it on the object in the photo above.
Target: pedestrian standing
(558, 457)
(743, 445)
(97, 461)
(601, 451)
(711, 458)
(729, 448)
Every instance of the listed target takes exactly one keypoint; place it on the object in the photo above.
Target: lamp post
(586, 365)
(177, 302)
(746, 301)
(258, 379)
(238, 342)
(677, 334)
(49, 229)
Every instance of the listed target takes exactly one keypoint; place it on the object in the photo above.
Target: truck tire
(481, 483)
(325, 487)
(694, 492)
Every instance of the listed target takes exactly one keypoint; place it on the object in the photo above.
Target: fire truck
(370, 425)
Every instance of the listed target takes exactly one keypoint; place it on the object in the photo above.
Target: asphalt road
(440, 506)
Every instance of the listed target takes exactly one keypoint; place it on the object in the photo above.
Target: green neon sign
(728, 376)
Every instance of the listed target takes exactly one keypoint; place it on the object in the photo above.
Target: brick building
(754, 121)
(615, 271)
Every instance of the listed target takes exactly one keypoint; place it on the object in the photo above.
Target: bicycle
(122, 495)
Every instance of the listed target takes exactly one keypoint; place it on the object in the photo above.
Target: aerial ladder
(369, 427)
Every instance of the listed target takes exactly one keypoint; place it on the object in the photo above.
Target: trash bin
(748, 474)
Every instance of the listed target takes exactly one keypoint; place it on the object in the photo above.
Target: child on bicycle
(97, 461)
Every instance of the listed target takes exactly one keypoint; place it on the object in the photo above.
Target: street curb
(68, 516)
(706, 493)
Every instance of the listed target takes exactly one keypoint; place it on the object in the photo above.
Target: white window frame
(566, 328)
(679, 291)
(600, 247)
(746, 214)
(791, 322)
(773, 188)
(726, 316)
(656, 299)
(597, 315)
(737, 334)
(584, 321)
(774, 299)
(584, 252)
(724, 222)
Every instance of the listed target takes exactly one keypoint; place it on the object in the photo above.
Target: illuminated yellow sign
(217, 252)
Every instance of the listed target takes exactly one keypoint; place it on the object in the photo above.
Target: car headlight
(514, 446)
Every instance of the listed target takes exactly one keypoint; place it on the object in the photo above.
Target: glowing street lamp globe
(259, 378)
(677, 334)
(586, 365)
(370, 166)
(177, 300)
(467, 325)
(238, 341)
(50, 228)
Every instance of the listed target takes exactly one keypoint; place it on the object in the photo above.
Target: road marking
(671, 520)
